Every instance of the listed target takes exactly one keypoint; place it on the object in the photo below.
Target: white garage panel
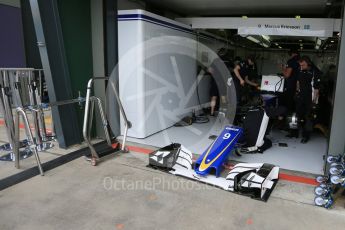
(157, 71)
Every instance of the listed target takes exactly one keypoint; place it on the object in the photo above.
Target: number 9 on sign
(226, 136)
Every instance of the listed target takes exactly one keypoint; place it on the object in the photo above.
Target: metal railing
(21, 89)
(21, 92)
(88, 118)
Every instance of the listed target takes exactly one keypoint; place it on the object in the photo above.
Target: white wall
(156, 73)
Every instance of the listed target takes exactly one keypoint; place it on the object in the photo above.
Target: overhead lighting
(300, 40)
(253, 39)
(318, 42)
(332, 41)
(280, 47)
(267, 38)
(259, 40)
(276, 44)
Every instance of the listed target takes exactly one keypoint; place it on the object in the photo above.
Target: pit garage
(129, 114)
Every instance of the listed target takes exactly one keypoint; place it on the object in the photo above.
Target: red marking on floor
(21, 126)
(139, 149)
(298, 179)
(249, 221)
(120, 226)
(282, 176)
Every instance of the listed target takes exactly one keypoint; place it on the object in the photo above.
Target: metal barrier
(31, 142)
(88, 118)
(21, 91)
(22, 88)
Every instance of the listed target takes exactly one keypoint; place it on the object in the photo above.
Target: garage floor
(296, 156)
(122, 193)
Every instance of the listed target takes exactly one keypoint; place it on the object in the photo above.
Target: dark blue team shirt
(309, 79)
(244, 69)
(290, 83)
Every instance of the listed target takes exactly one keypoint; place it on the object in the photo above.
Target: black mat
(102, 148)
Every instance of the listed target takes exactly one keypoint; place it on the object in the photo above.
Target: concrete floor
(7, 168)
(79, 196)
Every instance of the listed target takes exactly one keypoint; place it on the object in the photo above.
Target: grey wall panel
(337, 137)
(52, 52)
(98, 56)
(111, 55)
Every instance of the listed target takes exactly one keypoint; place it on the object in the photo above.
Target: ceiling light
(267, 38)
(318, 42)
(280, 47)
(332, 41)
(300, 40)
(259, 40)
(276, 44)
(253, 39)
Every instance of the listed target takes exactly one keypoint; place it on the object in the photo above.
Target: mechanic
(252, 87)
(308, 84)
(239, 75)
(290, 73)
(252, 76)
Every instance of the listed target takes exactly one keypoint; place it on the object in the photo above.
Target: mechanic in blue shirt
(245, 73)
(241, 77)
(252, 74)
